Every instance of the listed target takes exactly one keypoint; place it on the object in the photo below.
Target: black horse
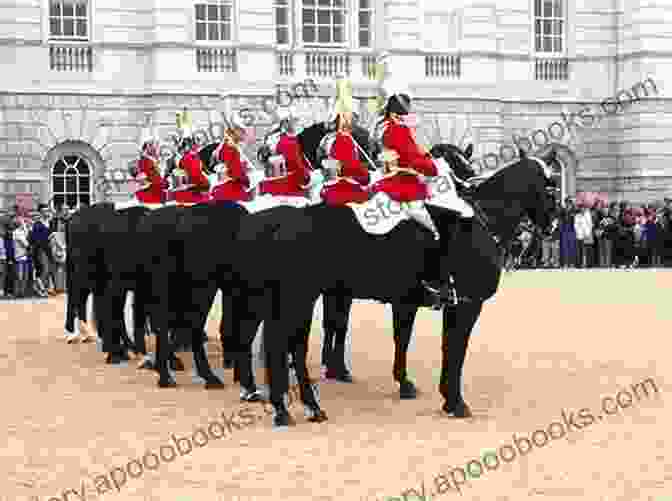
(338, 304)
(473, 260)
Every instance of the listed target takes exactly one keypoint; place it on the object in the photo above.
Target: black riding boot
(441, 291)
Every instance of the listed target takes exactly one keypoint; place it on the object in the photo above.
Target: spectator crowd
(32, 254)
(598, 235)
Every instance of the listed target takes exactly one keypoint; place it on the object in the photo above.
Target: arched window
(71, 181)
(558, 175)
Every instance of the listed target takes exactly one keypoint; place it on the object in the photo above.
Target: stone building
(82, 77)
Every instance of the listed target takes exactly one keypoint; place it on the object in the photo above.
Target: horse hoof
(283, 420)
(146, 364)
(343, 375)
(461, 410)
(407, 391)
(319, 417)
(214, 384)
(251, 396)
(167, 384)
(116, 358)
(177, 365)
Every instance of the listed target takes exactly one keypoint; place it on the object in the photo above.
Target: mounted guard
(287, 169)
(408, 165)
(232, 167)
(190, 184)
(152, 190)
(347, 176)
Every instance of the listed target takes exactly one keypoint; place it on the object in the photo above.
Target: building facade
(83, 78)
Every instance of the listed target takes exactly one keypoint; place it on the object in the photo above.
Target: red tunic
(155, 193)
(191, 164)
(354, 175)
(298, 170)
(405, 187)
(234, 189)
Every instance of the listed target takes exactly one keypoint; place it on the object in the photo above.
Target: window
(365, 25)
(71, 181)
(548, 26)
(68, 19)
(214, 21)
(323, 22)
(282, 23)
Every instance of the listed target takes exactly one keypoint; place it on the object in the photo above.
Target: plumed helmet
(343, 104)
(394, 93)
(183, 122)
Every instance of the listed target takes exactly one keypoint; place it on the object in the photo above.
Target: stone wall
(626, 155)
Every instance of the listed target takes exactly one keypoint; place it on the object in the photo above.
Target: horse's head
(309, 139)
(525, 187)
(456, 158)
(206, 156)
(543, 203)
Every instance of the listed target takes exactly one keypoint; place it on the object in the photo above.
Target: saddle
(444, 193)
(135, 203)
(380, 215)
(263, 202)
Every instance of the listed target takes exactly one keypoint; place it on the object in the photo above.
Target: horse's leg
(164, 347)
(299, 348)
(84, 327)
(403, 315)
(111, 310)
(279, 328)
(246, 318)
(336, 320)
(226, 332)
(70, 313)
(458, 323)
(329, 306)
(195, 319)
(140, 319)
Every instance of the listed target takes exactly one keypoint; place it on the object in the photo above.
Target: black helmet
(186, 143)
(399, 104)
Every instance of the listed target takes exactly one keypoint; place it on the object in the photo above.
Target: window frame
(78, 192)
(234, 24)
(351, 27)
(47, 37)
(291, 19)
(564, 19)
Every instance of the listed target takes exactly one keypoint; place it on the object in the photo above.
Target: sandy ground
(548, 342)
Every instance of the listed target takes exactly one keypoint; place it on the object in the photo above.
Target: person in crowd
(625, 238)
(583, 226)
(21, 256)
(58, 251)
(568, 247)
(3, 260)
(650, 237)
(604, 234)
(41, 251)
(8, 245)
(550, 246)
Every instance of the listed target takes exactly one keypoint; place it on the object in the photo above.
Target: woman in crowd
(568, 248)
(624, 244)
(41, 251)
(21, 256)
